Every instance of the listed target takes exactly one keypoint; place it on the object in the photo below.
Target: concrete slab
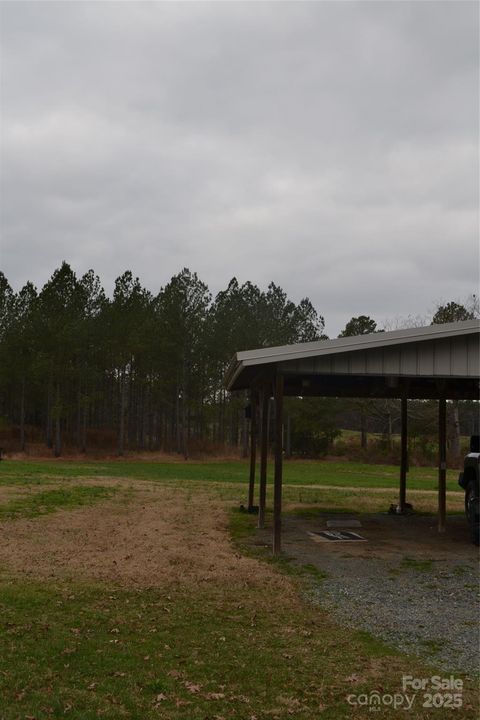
(343, 523)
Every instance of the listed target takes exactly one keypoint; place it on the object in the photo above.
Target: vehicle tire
(472, 510)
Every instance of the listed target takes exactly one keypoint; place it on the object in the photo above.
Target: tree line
(143, 371)
(147, 368)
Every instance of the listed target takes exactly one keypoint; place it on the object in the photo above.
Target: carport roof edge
(319, 348)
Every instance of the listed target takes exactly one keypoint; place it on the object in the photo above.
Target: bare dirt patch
(389, 537)
(151, 537)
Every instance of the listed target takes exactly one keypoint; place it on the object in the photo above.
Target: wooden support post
(404, 456)
(263, 457)
(442, 463)
(277, 488)
(253, 450)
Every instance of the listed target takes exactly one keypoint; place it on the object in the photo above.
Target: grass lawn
(48, 501)
(341, 474)
(244, 644)
(85, 651)
(338, 486)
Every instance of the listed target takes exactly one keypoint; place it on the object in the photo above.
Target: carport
(439, 362)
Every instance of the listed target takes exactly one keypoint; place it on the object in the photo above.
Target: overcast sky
(332, 147)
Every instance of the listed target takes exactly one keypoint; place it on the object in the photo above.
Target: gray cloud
(331, 147)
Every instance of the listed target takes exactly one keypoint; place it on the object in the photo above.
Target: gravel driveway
(408, 585)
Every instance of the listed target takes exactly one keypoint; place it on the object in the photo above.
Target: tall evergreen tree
(60, 305)
(184, 304)
(22, 342)
(124, 321)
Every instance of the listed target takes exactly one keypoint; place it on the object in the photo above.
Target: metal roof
(449, 351)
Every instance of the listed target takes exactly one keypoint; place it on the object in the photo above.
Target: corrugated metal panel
(459, 356)
(391, 361)
(308, 366)
(473, 356)
(374, 362)
(424, 352)
(425, 363)
(323, 365)
(408, 360)
(341, 364)
(441, 358)
(358, 363)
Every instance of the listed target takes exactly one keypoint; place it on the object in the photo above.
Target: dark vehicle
(469, 481)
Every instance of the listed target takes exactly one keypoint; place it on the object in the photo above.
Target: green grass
(242, 526)
(325, 485)
(85, 652)
(409, 563)
(316, 473)
(314, 572)
(431, 647)
(242, 529)
(49, 501)
(79, 650)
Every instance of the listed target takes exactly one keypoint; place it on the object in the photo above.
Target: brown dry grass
(39, 451)
(370, 500)
(12, 493)
(150, 537)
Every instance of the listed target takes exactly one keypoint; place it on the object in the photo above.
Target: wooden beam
(442, 464)
(404, 455)
(265, 396)
(375, 387)
(253, 450)
(277, 487)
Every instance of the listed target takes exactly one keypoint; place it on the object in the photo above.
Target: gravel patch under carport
(408, 585)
